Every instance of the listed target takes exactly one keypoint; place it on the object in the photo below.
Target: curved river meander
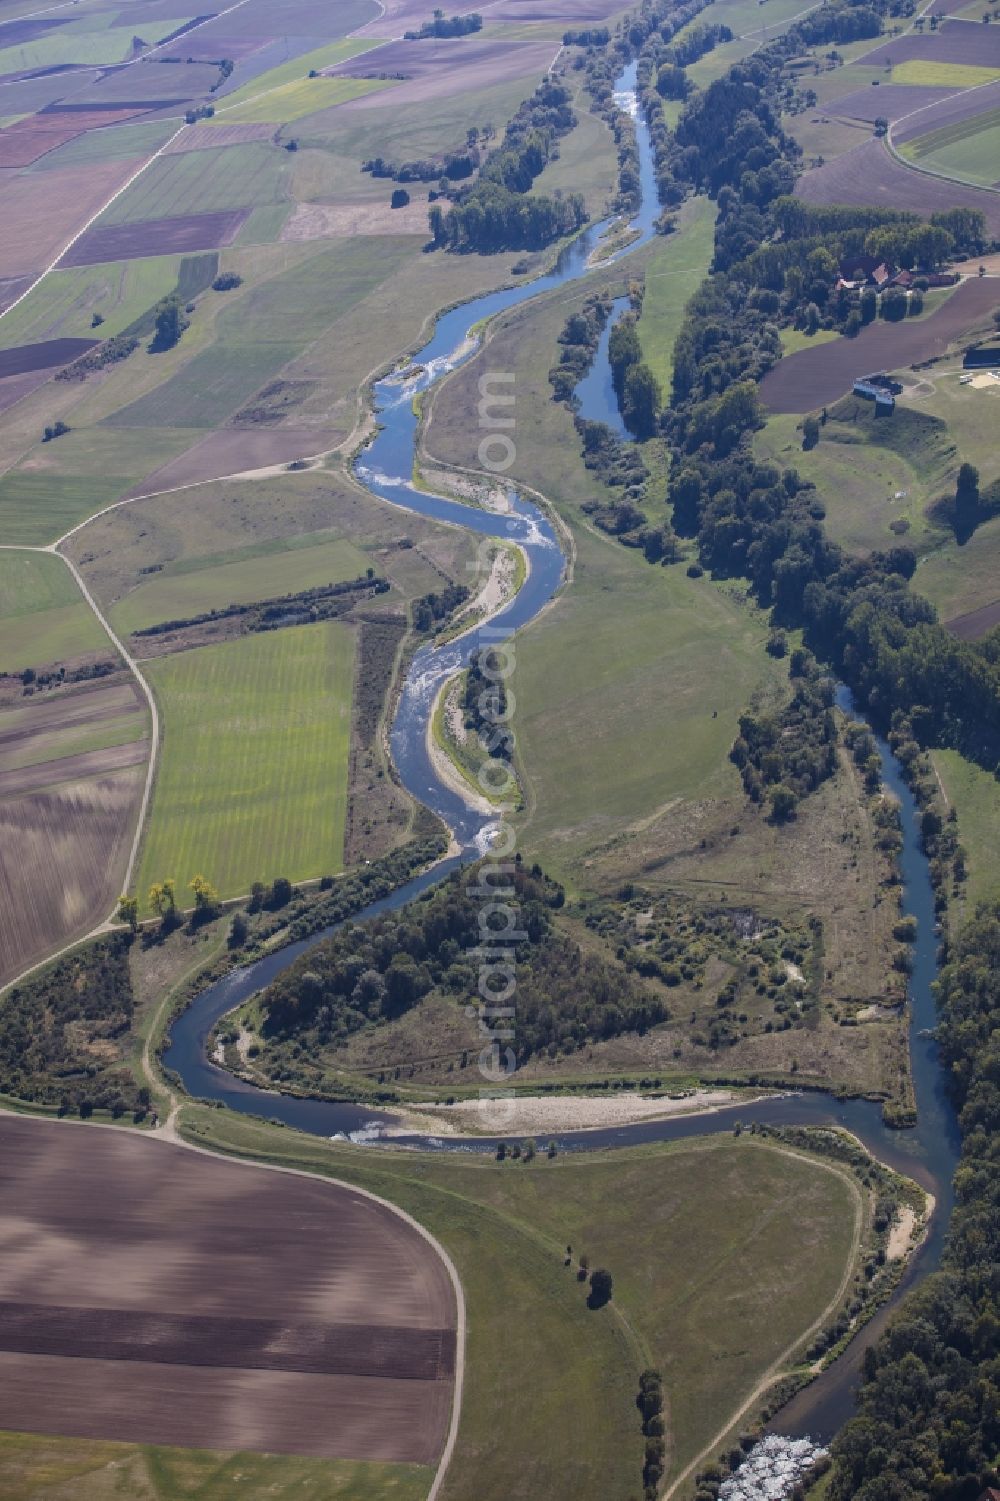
(928, 1152)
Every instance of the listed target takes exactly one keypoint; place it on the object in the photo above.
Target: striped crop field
(252, 781)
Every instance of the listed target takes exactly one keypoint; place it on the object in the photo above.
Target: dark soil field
(16, 33)
(951, 111)
(25, 358)
(976, 623)
(435, 70)
(817, 377)
(572, 12)
(224, 1306)
(208, 46)
(953, 42)
(180, 234)
(892, 101)
(868, 174)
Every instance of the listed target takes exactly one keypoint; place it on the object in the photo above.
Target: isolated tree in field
(600, 1288)
(641, 401)
(400, 198)
(810, 432)
(128, 911)
(967, 489)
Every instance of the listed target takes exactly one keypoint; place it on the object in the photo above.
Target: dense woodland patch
(61, 1034)
(370, 974)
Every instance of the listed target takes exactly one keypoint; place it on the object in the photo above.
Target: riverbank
(532, 1115)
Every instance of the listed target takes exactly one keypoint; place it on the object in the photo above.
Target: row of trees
(929, 1419)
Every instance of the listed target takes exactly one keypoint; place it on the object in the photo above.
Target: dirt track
(816, 377)
(213, 1304)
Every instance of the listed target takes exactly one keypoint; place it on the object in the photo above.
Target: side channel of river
(928, 1152)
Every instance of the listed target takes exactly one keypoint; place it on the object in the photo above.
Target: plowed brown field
(816, 377)
(151, 1294)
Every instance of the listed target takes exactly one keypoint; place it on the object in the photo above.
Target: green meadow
(33, 1466)
(673, 273)
(723, 1252)
(178, 595)
(252, 781)
(43, 617)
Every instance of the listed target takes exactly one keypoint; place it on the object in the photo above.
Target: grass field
(968, 149)
(943, 75)
(293, 71)
(868, 474)
(722, 1252)
(794, 339)
(673, 273)
(43, 618)
(109, 145)
(202, 182)
(63, 306)
(253, 776)
(175, 596)
(293, 101)
(266, 326)
(959, 580)
(72, 478)
(36, 1468)
(976, 796)
(664, 672)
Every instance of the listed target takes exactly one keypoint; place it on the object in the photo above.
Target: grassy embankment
(687, 1231)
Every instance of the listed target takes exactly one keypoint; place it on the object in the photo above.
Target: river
(928, 1152)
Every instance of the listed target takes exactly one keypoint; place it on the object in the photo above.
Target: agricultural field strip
(894, 125)
(154, 738)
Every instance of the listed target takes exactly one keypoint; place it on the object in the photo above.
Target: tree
(810, 432)
(163, 901)
(435, 219)
(783, 803)
(400, 198)
(238, 931)
(600, 1288)
(281, 892)
(206, 898)
(641, 401)
(868, 306)
(128, 911)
